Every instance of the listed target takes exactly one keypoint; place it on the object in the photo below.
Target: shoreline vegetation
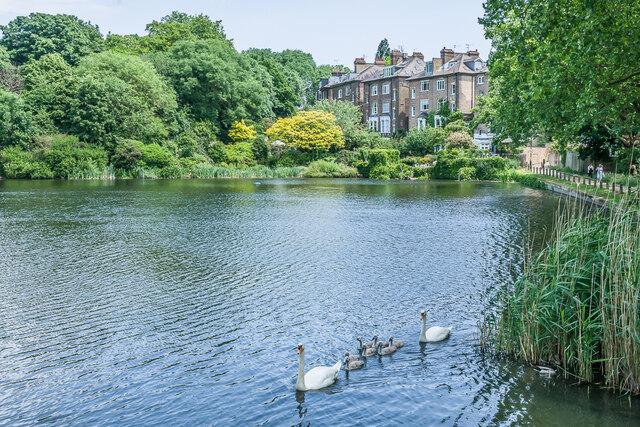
(575, 308)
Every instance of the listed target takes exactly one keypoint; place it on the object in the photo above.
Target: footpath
(584, 188)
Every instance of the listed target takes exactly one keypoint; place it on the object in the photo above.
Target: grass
(196, 171)
(328, 169)
(576, 305)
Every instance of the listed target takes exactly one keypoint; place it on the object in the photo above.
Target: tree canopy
(564, 66)
(308, 130)
(30, 37)
(383, 49)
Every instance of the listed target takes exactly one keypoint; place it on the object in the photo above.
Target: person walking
(599, 173)
(590, 171)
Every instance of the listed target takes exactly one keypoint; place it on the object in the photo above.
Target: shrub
(467, 173)
(127, 154)
(459, 140)
(217, 152)
(260, 148)
(241, 154)
(328, 169)
(154, 155)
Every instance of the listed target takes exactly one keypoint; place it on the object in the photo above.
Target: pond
(182, 302)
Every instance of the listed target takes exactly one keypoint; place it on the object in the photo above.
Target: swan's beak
(421, 316)
(299, 350)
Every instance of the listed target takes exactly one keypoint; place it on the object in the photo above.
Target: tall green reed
(576, 304)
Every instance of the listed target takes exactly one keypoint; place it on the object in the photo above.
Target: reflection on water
(179, 302)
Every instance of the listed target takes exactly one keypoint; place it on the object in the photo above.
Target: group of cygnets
(323, 376)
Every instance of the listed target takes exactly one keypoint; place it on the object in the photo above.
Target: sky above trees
(334, 32)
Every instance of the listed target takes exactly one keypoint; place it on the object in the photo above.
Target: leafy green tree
(178, 26)
(49, 87)
(120, 96)
(561, 66)
(127, 154)
(423, 141)
(16, 124)
(383, 50)
(217, 84)
(30, 37)
(240, 154)
(459, 139)
(217, 152)
(349, 118)
(156, 156)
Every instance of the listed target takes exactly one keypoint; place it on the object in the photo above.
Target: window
(347, 91)
(422, 123)
(373, 124)
(394, 114)
(424, 105)
(413, 93)
(366, 99)
(374, 90)
(437, 120)
(453, 106)
(339, 93)
(385, 89)
(480, 80)
(453, 88)
(440, 85)
(441, 102)
(385, 125)
(388, 71)
(395, 93)
(429, 67)
(385, 108)
(413, 111)
(374, 108)
(424, 85)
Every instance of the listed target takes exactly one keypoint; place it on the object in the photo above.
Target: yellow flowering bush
(308, 130)
(241, 132)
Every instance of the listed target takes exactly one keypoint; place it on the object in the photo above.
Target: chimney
(446, 55)
(336, 72)
(473, 53)
(380, 61)
(359, 64)
(418, 55)
(396, 57)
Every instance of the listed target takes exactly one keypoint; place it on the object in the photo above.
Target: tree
(561, 66)
(178, 26)
(308, 130)
(422, 141)
(459, 139)
(48, 91)
(217, 83)
(16, 125)
(30, 37)
(349, 118)
(383, 49)
(119, 96)
(241, 132)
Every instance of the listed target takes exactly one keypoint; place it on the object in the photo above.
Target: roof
(409, 67)
(351, 77)
(461, 63)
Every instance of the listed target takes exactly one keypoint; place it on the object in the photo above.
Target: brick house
(458, 78)
(350, 86)
(387, 93)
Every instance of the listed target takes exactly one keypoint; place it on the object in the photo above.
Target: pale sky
(334, 32)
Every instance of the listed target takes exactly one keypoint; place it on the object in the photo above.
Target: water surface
(181, 302)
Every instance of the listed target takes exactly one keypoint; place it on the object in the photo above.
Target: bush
(67, 156)
(381, 164)
(127, 154)
(260, 148)
(328, 169)
(422, 141)
(15, 163)
(459, 140)
(466, 173)
(420, 173)
(241, 154)
(217, 152)
(154, 156)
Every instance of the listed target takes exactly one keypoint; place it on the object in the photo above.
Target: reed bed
(576, 305)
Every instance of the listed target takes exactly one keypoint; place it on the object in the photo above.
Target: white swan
(318, 377)
(434, 333)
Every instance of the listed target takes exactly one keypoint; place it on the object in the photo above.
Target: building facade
(402, 95)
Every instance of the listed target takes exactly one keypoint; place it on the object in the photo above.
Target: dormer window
(388, 71)
(429, 67)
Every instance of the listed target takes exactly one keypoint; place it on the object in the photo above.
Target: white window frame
(385, 89)
(422, 123)
(373, 124)
(440, 85)
(385, 125)
(374, 90)
(385, 108)
(339, 93)
(441, 102)
(453, 88)
(347, 91)
(388, 71)
(480, 80)
(424, 105)
(413, 93)
(437, 121)
(413, 111)
(453, 106)
(374, 108)
(424, 86)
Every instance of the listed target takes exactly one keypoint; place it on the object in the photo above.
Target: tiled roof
(351, 77)
(461, 63)
(407, 68)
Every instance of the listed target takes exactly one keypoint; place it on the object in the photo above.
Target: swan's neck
(423, 330)
(300, 384)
